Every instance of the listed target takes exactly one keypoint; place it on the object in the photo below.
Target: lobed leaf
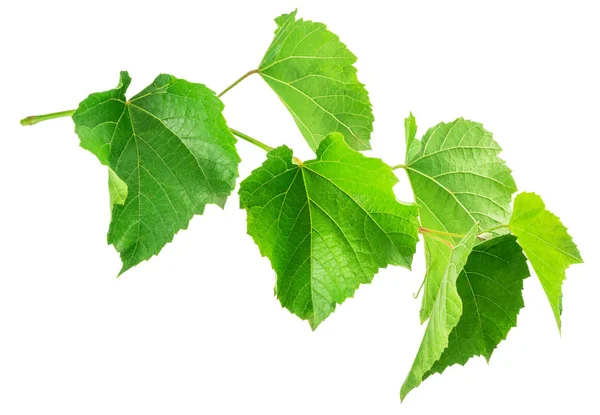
(458, 180)
(490, 288)
(312, 72)
(327, 225)
(170, 153)
(445, 314)
(547, 244)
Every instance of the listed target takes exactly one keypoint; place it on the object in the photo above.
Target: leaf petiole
(399, 166)
(433, 232)
(440, 239)
(426, 231)
(34, 119)
(260, 144)
(249, 139)
(240, 79)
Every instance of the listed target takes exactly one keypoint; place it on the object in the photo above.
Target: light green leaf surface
(410, 132)
(445, 314)
(458, 180)
(312, 72)
(547, 245)
(326, 225)
(172, 149)
(490, 288)
(117, 189)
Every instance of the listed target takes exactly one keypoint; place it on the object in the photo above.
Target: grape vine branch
(34, 119)
(329, 224)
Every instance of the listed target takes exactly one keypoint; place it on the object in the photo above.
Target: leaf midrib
(361, 141)
(357, 204)
(578, 260)
(180, 139)
(445, 189)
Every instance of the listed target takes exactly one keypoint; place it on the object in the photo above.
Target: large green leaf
(171, 149)
(445, 314)
(547, 245)
(490, 288)
(313, 74)
(327, 225)
(458, 180)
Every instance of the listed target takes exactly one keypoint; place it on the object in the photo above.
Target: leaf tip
(314, 323)
(124, 80)
(404, 390)
(122, 271)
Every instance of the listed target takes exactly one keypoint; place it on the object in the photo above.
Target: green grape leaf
(547, 245)
(312, 72)
(458, 179)
(170, 148)
(327, 225)
(490, 288)
(117, 189)
(445, 314)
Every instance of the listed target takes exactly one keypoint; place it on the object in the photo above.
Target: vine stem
(240, 79)
(34, 119)
(260, 144)
(249, 139)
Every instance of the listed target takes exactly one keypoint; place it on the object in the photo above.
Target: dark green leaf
(490, 287)
(172, 149)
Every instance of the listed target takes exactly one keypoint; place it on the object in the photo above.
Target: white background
(197, 329)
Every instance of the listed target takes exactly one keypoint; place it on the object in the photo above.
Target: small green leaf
(458, 180)
(490, 288)
(327, 225)
(171, 148)
(117, 189)
(547, 245)
(445, 314)
(312, 72)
